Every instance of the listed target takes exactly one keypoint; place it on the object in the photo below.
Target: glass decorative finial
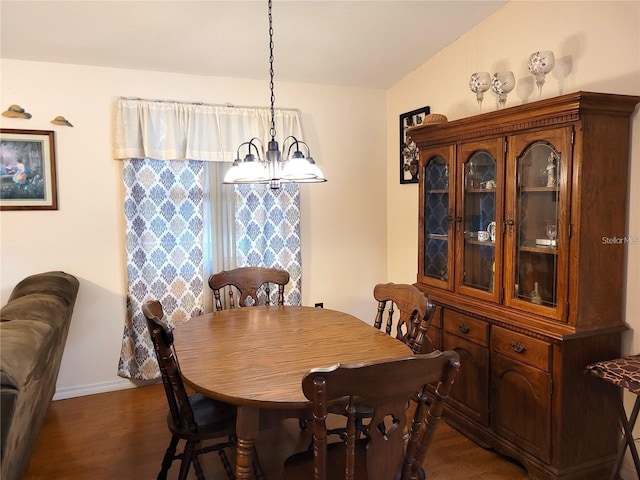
(541, 63)
(479, 83)
(502, 83)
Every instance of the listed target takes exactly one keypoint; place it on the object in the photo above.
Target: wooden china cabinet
(522, 248)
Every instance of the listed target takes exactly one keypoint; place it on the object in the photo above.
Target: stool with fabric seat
(624, 373)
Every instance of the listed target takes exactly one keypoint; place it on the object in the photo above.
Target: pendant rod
(271, 75)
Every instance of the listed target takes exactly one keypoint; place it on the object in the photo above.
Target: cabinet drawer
(466, 327)
(531, 351)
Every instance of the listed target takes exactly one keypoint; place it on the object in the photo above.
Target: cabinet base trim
(536, 469)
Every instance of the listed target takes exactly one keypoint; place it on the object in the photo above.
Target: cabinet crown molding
(543, 113)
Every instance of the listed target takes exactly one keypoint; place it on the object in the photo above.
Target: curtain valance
(191, 131)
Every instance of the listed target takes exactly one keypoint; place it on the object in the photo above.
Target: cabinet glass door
(538, 223)
(480, 217)
(436, 218)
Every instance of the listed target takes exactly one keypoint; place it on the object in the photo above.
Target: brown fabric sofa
(33, 330)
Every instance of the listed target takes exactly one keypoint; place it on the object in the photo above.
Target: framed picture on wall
(408, 149)
(28, 170)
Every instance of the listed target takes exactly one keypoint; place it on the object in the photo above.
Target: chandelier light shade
(299, 168)
(250, 170)
(259, 166)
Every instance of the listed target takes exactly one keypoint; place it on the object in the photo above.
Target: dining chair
(415, 314)
(414, 317)
(193, 418)
(395, 447)
(247, 281)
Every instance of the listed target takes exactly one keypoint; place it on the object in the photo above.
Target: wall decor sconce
(16, 111)
(60, 120)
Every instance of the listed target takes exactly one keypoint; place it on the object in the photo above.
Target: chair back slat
(415, 315)
(387, 386)
(423, 431)
(319, 426)
(248, 281)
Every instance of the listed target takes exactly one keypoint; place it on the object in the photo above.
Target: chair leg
(187, 457)
(197, 467)
(257, 467)
(168, 458)
(226, 464)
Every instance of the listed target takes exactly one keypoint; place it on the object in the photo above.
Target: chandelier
(269, 167)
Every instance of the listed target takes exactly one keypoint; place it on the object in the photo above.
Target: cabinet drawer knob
(463, 328)
(518, 347)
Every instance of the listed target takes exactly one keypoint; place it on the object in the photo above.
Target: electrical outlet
(319, 305)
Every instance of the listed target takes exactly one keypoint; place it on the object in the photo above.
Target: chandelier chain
(271, 168)
(273, 97)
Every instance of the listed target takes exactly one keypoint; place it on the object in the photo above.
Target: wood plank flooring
(123, 435)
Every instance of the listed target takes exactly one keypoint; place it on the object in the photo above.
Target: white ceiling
(350, 43)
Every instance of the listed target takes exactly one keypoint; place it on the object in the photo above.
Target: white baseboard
(103, 387)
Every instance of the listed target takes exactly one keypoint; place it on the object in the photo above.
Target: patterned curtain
(163, 208)
(172, 226)
(268, 232)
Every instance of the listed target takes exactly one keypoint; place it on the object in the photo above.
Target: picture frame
(408, 149)
(28, 170)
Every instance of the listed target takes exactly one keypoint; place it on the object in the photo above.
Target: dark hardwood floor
(123, 435)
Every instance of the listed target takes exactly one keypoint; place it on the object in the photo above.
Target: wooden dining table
(255, 358)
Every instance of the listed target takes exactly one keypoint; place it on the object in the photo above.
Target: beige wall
(347, 244)
(597, 48)
(602, 59)
(344, 245)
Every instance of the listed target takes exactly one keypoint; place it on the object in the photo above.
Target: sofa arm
(33, 331)
(57, 284)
